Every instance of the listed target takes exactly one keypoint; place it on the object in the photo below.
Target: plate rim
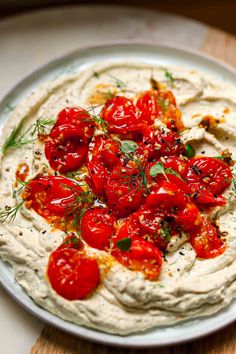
(39, 312)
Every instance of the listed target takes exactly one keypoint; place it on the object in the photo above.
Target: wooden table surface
(222, 46)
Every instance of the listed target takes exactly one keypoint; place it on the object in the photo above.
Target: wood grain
(222, 46)
(53, 341)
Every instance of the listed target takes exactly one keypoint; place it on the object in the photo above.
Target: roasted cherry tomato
(162, 143)
(53, 196)
(148, 224)
(130, 227)
(124, 189)
(103, 155)
(72, 274)
(98, 176)
(175, 165)
(166, 196)
(160, 105)
(141, 256)
(105, 150)
(153, 226)
(207, 242)
(121, 115)
(97, 228)
(189, 218)
(203, 197)
(66, 148)
(147, 104)
(78, 117)
(212, 173)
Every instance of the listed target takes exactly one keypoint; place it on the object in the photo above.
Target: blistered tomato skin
(160, 105)
(203, 197)
(121, 115)
(97, 228)
(207, 178)
(98, 176)
(124, 189)
(52, 196)
(167, 195)
(142, 256)
(66, 148)
(207, 242)
(129, 228)
(104, 150)
(162, 143)
(147, 104)
(214, 174)
(151, 223)
(72, 274)
(189, 217)
(78, 117)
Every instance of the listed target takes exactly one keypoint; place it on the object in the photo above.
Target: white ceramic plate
(75, 62)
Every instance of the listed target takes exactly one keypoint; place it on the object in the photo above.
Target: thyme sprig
(19, 138)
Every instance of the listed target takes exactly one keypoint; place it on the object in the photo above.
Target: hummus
(125, 301)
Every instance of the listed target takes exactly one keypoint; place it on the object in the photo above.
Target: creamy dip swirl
(125, 302)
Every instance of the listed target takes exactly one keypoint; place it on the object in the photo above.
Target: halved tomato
(124, 189)
(53, 196)
(160, 105)
(207, 241)
(121, 115)
(66, 148)
(97, 228)
(162, 143)
(72, 274)
(142, 256)
(214, 174)
(77, 117)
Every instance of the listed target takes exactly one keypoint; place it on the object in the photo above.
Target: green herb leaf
(11, 141)
(190, 151)
(159, 168)
(18, 138)
(124, 244)
(9, 213)
(128, 146)
(169, 76)
(166, 230)
(220, 157)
